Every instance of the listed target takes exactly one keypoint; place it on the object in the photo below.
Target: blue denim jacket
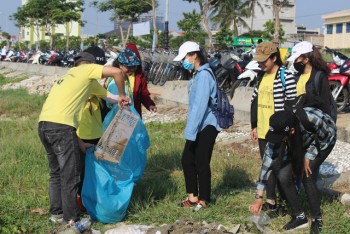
(201, 90)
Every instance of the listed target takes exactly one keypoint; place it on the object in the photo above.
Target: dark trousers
(309, 183)
(271, 182)
(284, 173)
(196, 163)
(63, 153)
(82, 163)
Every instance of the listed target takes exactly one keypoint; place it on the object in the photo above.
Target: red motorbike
(339, 85)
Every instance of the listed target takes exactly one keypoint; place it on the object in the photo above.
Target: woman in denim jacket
(202, 127)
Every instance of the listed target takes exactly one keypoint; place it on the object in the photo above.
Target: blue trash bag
(107, 186)
(135, 153)
(107, 189)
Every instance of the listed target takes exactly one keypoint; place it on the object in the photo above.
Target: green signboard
(245, 41)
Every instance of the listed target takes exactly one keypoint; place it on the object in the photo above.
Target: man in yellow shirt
(58, 122)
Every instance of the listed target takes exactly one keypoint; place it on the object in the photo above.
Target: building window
(339, 28)
(348, 27)
(330, 29)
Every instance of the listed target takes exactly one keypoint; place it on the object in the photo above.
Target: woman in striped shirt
(275, 86)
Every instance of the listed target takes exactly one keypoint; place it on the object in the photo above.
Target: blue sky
(309, 13)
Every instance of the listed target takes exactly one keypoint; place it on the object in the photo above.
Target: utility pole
(166, 28)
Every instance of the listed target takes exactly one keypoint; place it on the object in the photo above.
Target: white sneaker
(56, 219)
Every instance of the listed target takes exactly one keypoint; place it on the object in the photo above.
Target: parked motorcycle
(248, 78)
(339, 85)
(338, 60)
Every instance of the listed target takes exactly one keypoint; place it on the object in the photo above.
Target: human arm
(256, 205)
(324, 92)
(290, 91)
(254, 134)
(200, 92)
(145, 94)
(265, 171)
(83, 146)
(119, 79)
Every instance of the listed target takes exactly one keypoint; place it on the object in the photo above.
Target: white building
(31, 34)
(337, 29)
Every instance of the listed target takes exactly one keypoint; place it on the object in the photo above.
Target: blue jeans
(63, 153)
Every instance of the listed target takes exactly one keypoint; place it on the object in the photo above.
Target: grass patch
(24, 175)
(4, 80)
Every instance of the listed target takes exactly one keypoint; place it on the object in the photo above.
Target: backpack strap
(317, 82)
(210, 72)
(211, 105)
(283, 78)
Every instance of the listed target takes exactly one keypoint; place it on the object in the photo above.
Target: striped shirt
(280, 93)
(326, 134)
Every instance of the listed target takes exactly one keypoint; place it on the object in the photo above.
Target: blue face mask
(187, 65)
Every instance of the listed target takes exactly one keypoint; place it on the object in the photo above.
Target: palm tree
(252, 4)
(230, 13)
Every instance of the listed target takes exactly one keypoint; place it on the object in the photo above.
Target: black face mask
(299, 67)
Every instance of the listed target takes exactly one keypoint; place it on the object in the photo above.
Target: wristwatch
(257, 196)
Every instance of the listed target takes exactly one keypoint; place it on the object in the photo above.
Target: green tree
(270, 31)
(191, 26)
(253, 33)
(277, 6)
(223, 37)
(7, 38)
(67, 12)
(124, 11)
(227, 13)
(45, 14)
(205, 6)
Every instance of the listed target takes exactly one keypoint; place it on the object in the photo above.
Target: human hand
(307, 168)
(123, 101)
(256, 206)
(253, 134)
(152, 109)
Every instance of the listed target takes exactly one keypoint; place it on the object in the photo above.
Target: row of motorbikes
(241, 71)
(49, 57)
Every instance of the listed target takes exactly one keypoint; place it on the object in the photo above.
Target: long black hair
(201, 54)
(316, 60)
(278, 58)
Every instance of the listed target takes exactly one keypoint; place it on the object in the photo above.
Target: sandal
(188, 203)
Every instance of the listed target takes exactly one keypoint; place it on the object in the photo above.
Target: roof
(337, 14)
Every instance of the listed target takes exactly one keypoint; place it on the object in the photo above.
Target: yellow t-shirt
(90, 124)
(69, 94)
(266, 103)
(132, 81)
(304, 78)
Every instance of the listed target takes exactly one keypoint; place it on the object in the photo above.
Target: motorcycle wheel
(224, 81)
(343, 97)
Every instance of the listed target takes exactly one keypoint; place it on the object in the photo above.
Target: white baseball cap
(299, 49)
(188, 46)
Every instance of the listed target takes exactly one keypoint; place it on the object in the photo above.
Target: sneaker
(57, 219)
(188, 203)
(316, 226)
(297, 222)
(268, 207)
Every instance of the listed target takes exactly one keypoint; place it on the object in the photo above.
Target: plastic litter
(260, 220)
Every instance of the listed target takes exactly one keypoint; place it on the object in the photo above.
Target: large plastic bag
(108, 186)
